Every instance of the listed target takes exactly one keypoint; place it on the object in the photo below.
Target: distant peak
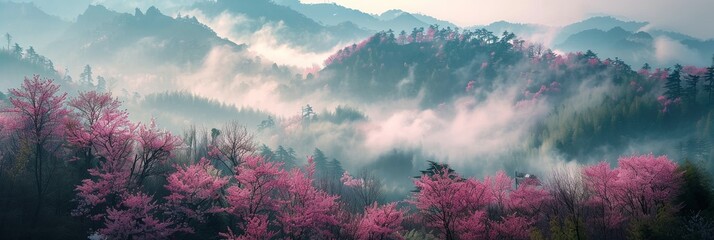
(153, 11)
(137, 12)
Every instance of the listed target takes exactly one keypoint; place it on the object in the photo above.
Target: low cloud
(264, 41)
(669, 52)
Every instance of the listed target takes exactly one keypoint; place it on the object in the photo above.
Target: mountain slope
(28, 25)
(141, 41)
(603, 23)
(285, 24)
(332, 14)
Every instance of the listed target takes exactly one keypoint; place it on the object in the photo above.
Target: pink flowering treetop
(256, 228)
(155, 146)
(39, 110)
(112, 141)
(136, 217)
(258, 183)
(350, 181)
(195, 191)
(640, 186)
(307, 211)
(383, 222)
(444, 199)
(602, 183)
(647, 183)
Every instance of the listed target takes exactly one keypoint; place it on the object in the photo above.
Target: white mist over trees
(286, 120)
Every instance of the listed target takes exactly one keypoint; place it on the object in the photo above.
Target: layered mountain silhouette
(103, 36)
(286, 25)
(332, 14)
(28, 24)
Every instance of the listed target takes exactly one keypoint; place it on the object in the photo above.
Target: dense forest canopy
(178, 124)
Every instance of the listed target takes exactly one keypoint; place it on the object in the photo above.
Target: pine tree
(320, 163)
(266, 152)
(287, 156)
(673, 85)
(709, 82)
(31, 55)
(690, 92)
(86, 76)
(17, 51)
(335, 169)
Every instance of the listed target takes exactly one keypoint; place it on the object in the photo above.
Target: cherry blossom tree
(640, 186)
(381, 222)
(258, 183)
(154, 148)
(39, 109)
(195, 191)
(137, 217)
(512, 227)
(444, 198)
(647, 183)
(307, 211)
(112, 140)
(88, 109)
(255, 229)
(604, 189)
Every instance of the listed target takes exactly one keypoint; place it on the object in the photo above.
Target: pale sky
(693, 17)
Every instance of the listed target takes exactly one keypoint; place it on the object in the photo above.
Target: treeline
(73, 168)
(595, 103)
(391, 66)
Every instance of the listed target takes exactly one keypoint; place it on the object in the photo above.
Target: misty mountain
(333, 14)
(287, 25)
(142, 40)
(615, 42)
(14, 68)
(432, 64)
(520, 29)
(29, 25)
(441, 68)
(638, 47)
(421, 19)
(603, 23)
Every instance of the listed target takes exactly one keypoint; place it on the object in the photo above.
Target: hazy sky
(694, 17)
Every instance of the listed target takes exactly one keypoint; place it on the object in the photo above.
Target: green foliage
(567, 231)
(343, 114)
(663, 226)
(696, 193)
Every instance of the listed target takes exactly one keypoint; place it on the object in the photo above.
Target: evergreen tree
(334, 167)
(696, 194)
(31, 55)
(435, 168)
(320, 163)
(646, 66)
(287, 156)
(690, 92)
(17, 51)
(673, 84)
(266, 152)
(709, 82)
(86, 76)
